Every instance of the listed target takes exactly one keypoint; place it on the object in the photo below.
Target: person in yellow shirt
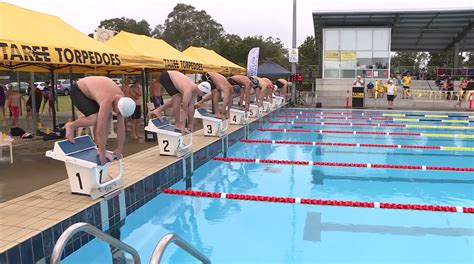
(406, 81)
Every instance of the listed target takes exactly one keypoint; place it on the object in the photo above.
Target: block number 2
(209, 129)
(166, 143)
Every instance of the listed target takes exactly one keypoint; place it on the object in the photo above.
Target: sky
(244, 17)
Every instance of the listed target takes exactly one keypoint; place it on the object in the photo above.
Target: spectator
(29, 105)
(391, 94)
(358, 82)
(46, 92)
(13, 104)
(135, 94)
(3, 98)
(460, 93)
(448, 87)
(370, 89)
(406, 86)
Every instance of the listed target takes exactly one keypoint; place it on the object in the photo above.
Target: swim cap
(275, 87)
(254, 82)
(126, 106)
(237, 89)
(205, 77)
(205, 87)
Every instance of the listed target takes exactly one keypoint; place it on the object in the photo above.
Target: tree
(141, 27)
(185, 26)
(405, 58)
(308, 55)
(236, 49)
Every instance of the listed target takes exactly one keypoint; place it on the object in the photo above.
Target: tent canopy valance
(168, 57)
(33, 41)
(226, 67)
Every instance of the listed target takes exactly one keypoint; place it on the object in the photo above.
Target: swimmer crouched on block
(96, 97)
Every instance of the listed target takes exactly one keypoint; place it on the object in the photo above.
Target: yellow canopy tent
(209, 56)
(33, 41)
(169, 57)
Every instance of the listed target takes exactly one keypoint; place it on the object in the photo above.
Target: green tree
(405, 58)
(236, 49)
(141, 27)
(308, 54)
(437, 59)
(185, 26)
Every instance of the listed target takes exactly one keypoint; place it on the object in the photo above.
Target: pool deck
(26, 216)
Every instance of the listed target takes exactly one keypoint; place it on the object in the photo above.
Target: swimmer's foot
(69, 133)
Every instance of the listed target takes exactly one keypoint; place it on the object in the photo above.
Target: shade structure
(226, 67)
(169, 58)
(272, 70)
(33, 41)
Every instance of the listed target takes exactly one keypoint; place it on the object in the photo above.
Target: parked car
(14, 86)
(40, 85)
(63, 86)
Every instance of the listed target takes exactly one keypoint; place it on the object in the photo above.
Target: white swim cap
(126, 106)
(205, 87)
(275, 87)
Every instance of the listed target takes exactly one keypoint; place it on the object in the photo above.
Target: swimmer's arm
(205, 98)
(226, 103)
(101, 127)
(120, 135)
(259, 96)
(215, 101)
(246, 96)
(187, 112)
(191, 113)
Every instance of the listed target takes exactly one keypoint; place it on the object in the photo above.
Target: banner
(252, 62)
(348, 56)
(331, 55)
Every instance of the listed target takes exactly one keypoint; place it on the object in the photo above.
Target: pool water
(233, 231)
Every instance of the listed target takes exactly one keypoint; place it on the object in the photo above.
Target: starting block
(267, 106)
(238, 117)
(212, 125)
(86, 175)
(170, 139)
(278, 101)
(255, 111)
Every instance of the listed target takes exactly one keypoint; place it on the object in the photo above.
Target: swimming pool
(236, 231)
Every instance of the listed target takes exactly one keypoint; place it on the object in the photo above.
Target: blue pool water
(231, 231)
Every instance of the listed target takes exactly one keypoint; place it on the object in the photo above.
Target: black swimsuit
(83, 103)
(165, 80)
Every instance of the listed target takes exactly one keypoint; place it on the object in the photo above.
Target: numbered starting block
(278, 101)
(212, 125)
(255, 111)
(170, 139)
(238, 117)
(267, 106)
(86, 175)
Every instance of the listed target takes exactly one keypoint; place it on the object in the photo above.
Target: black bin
(358, 96)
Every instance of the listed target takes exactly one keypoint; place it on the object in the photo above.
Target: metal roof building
(411, 30)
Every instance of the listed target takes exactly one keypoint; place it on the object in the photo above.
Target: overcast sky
(243, 17)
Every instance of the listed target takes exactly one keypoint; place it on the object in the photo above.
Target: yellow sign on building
(348, 56)
(331, 55)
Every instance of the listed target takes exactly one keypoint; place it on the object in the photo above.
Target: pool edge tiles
(32, 223)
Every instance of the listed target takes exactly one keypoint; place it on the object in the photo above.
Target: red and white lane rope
(358, 145)
(331, 113)
(276, 199)
(344, 164)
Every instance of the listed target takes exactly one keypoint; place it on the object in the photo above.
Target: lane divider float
(323, 202)
(379, 114)
(370, 125)
(373, 119)
(365, 133)
(361, 145)
(345, 164)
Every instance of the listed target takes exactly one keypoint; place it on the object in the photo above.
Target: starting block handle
(225, 125)
(115, 179)
(190, 136)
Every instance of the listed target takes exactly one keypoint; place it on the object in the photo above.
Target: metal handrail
(85, 227)
(171, 237)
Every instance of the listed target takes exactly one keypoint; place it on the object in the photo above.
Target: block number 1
(80, 181)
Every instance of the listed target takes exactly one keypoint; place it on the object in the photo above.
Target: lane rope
(341, 144)
(406, 120)
(370, 125)
(323, 202)
(344, 164)
(379, 114)
(365, 133)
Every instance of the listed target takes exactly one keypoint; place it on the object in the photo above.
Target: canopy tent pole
(33, 102)
(19, 91)
(144, 96)
(53, 91)
(71, 81)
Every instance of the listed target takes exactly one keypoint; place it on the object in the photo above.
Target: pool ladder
(155, 258)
